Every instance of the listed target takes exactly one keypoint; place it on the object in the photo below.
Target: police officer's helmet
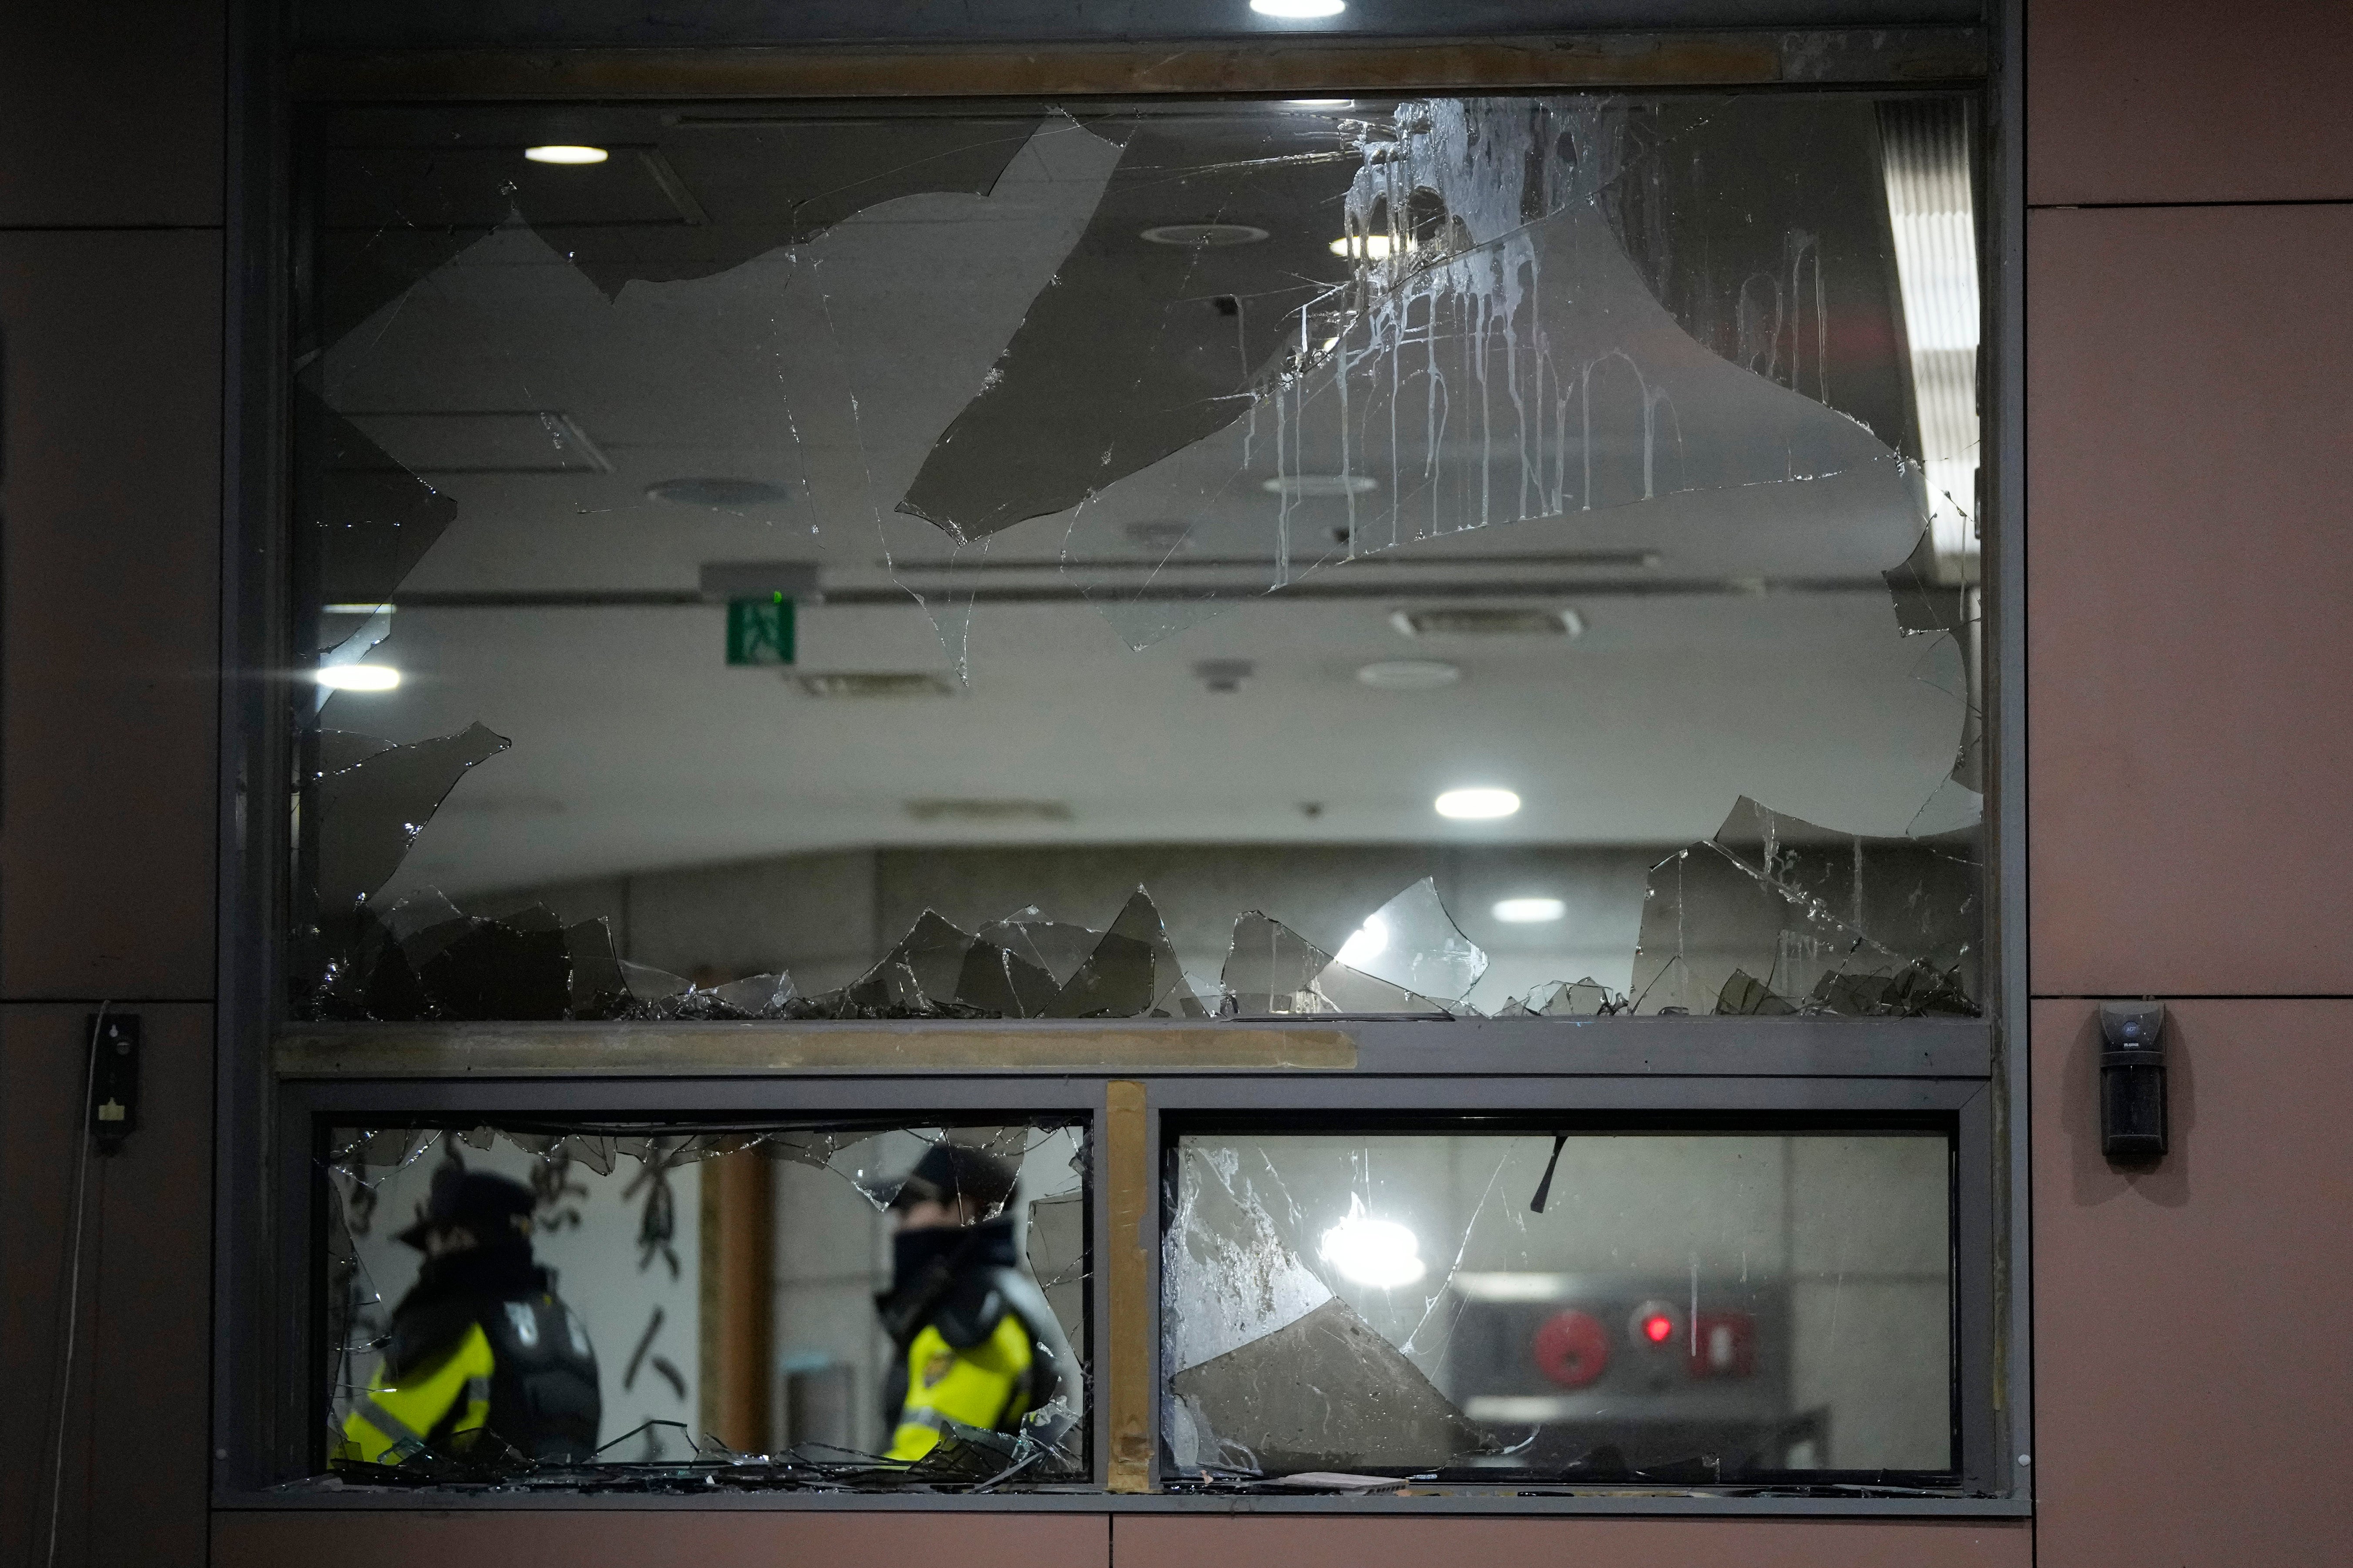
(949, 1172)
(495, 1209)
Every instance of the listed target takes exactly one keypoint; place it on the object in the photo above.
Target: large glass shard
(370, 813)
(1413, 943)
(1271, 969)
(630, 1224)
(1133, 972)
(1536, 1308)
(1775, 915)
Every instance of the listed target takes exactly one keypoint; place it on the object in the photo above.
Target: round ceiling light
(1410, 675)
(566, 154)
(1311, 486)
(1477, 804)
(1298, 10)
(723, 493)
(1204, 235)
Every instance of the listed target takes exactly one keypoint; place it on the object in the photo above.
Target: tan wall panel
(1163, 1541)
(109, 511)
(2189, 435)
(2191, 1322)
(111, 112)
(133, 1486)
(2182, 100)
(661, 1539)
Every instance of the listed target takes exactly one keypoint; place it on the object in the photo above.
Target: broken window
(1541, 1308)
(1462, 554)
(541, 1303)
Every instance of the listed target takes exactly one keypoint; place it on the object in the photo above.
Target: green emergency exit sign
(760, 631)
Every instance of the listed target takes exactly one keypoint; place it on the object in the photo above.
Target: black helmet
(496, 1210)
(948, 1172)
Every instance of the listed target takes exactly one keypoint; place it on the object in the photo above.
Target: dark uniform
(484, 1357)
(976, 1344)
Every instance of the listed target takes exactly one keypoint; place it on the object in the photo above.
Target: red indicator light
(1657, 1327)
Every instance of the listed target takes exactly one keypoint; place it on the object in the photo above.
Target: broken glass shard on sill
(518, 967)
(1414, 944)
(1000, 983)
(1055, 946)
(600, 988)
(1131, 972)
(1586, 998)
(1776, 914)
(1272, 971)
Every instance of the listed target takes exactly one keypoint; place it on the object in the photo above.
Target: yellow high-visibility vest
(390, 1423)
(985, 1386)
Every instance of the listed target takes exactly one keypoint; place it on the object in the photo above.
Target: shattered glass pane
(1556, 1309)
(537, 1304)
(739, 569)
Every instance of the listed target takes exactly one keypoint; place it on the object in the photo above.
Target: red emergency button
(1571, 1348)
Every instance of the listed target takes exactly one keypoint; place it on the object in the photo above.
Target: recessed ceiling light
(873, 684)
(1298, 10)
(373, 607)
(358, 676)
(1204, 235)
(723, 493)
(1304, 487)
(558, 153)
(1477, 804)
(1528, 912)
(1367, 943)
(1371, 246)
(1487, 621)
(1410, 675)
(1319, 102)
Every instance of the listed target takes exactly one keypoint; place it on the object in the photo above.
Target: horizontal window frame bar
(1853, 57)
(1325, 1050)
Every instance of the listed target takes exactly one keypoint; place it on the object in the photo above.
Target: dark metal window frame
(279, 1083)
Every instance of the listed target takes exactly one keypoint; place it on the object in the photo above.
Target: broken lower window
(852, 1305)
(1097, 559)
(1557, 1308)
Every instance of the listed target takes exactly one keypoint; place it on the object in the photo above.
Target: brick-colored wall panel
(133, 1484)
(605, 1538)
(111, 112)
(2190, 435)
(1166, 1541)
(2191, 1322)
(2182, 100)
(110, 518)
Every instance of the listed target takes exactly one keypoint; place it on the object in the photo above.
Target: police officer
(976, 1344)
(484, 1359)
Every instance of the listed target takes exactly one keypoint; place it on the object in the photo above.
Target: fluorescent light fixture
(1319, 103)
(1477, 804)
(1368, 942)
(358, 676)
(1298, 10)
(1376, 1252)
(563, 154)
(1369, 246)
(1925, 149)
(382, 606)
(1529, 911)
(1320, 487)
(1410, 675)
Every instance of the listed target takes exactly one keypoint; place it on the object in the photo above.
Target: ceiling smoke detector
(883, 683)
(1224, 674)
(1319, 487)
(1204, 235)
(1488, 621)
(989, 810)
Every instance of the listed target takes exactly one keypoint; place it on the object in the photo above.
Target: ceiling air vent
(878, 684)
(1487, 621)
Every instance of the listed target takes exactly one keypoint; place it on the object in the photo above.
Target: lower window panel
(1665, 1307)
(849, 1304)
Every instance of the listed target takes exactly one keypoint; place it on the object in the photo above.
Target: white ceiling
(834, 369)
